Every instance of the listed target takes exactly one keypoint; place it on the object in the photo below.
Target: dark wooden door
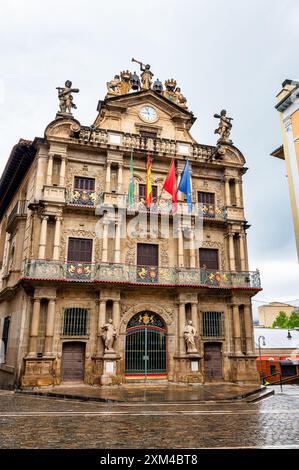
(73, 355)
(213, 361)
(208, 258)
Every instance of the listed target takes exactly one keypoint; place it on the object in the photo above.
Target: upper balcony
(19, 210)
(102, 137)
(140, 275)
(91, 199)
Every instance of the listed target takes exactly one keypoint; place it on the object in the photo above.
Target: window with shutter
(142, 192)
(80, 250)
(206, 198)
(87, 184)
(208, 258)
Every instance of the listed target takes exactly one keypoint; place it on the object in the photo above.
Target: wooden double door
(73, 361)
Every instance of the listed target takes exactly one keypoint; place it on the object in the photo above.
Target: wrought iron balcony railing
(19, 209)
(131, 274)
(83, 197)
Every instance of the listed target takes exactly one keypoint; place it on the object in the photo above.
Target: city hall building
(85, 297)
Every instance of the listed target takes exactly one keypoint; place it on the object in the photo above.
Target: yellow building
(269, 312)
(288, 108)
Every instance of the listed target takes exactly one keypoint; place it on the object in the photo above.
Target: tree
(281, 320)
(293, 320)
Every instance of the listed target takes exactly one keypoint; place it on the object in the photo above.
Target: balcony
(143, 275)
(19, 210)
(104, 138)
(54, 194)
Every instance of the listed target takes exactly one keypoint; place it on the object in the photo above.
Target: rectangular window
(147, 254)
(75, 322)
(208, 258)
(5, 334)
(80, 250)
(212, 325)
(87, 184)
(142, 192)
(206, 198)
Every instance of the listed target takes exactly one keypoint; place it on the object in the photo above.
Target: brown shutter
(80, 250)
(206, 198)
(208, 258)
(147, 254)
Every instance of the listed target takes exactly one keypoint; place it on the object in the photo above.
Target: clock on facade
(148, 114)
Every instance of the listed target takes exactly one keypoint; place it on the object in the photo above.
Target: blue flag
(185, 185)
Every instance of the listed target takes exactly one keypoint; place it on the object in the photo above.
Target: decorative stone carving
(131, 249)
(128, 310)
(79, 233)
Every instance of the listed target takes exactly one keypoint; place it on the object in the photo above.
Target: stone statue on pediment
(66, 98)
(224, 126)
(113, 86)
(146, 76)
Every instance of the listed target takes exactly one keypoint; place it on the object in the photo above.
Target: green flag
(131, 182)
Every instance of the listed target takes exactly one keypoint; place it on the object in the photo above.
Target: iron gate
(146, 346)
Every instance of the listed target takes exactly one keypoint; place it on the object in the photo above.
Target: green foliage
(282, 321)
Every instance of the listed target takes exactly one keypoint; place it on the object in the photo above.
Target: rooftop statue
(224, 127)
(146, 76)
(113, 86)
(65, 97)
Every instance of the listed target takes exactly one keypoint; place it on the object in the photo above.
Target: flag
(131, 182)
(185, 185)
(148, 188)
(170, 185)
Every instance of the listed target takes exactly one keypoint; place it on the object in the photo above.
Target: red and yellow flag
(148, 189)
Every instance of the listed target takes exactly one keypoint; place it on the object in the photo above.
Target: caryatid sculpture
(66, 98)
(224, 127)
(109, 335)
(146, 76)
(189, 335)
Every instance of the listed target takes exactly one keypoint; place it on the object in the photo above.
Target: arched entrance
(146, 347)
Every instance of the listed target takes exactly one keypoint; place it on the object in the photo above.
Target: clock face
(148, 114)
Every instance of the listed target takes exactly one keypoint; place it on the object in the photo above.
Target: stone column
(102, 315)
(49, 169)
(180, 247)
(116, 314)
(227, 191)
(43, 237)
(34, 328)
(105, 242)
(120, 178)
(62, 171)
(181, 326)
(231, 251)
(248, 329)
(238, 192)
(50, 327)
(58, 220)
(117, 242)
(242, 251)
(194, 317)
(108, 177)
(237, 329)
(192, 249)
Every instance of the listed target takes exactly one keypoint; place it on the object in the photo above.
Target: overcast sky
(224, 54)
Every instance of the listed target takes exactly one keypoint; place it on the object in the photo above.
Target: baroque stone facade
(69, 268)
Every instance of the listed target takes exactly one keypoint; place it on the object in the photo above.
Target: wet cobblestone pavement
(41, 422)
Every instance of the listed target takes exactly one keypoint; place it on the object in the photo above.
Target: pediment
(231, 154)
(122, 113)
(62, 128)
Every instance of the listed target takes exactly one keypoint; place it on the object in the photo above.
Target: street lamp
(260, 352)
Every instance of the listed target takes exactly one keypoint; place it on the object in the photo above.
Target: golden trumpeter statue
(146, 76)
